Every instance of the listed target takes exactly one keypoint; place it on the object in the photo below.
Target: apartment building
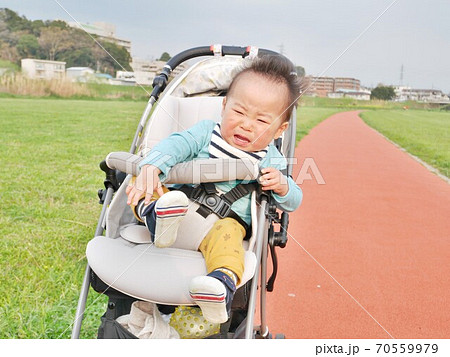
(362, 94)
(323, 86)
(421, 95)
(43, 69)
(146, 70)
(318, 86)
(347, 83)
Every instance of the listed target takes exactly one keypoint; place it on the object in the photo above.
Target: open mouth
(241, 140)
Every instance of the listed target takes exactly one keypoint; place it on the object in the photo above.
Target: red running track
(369, 251)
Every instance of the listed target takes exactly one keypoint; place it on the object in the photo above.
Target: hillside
(55, 40)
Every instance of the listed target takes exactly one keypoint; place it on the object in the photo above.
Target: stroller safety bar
(196, 171)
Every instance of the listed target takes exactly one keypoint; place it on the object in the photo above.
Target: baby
(255, 111)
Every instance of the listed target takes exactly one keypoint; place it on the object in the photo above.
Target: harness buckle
(215, 204)
(210, 201)
(223, 209)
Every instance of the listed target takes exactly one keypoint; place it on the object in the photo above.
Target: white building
(124, 78)
(145, 70)
(142, 65)
(80, 74)
(36, 68)
(361, 94)
(420, 95)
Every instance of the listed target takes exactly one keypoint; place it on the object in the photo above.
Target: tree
(79, 57)
(165, 57)
(28, 46)
(9, 53)
(383, 93)
(5, 33)
(36, 27)
(79, 50)
(300, 71)
(53, 41)
(118, 59)
(14, 21)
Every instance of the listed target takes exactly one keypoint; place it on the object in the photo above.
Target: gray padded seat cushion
(160, 275)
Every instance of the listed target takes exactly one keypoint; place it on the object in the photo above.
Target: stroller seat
(145, 272)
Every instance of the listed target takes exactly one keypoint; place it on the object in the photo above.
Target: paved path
(372, 257)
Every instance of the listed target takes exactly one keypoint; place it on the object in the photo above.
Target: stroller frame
(267, 238)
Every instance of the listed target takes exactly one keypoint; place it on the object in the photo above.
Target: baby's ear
(224, 102)
(281, 129)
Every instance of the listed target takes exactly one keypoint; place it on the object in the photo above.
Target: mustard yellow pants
(222, 247)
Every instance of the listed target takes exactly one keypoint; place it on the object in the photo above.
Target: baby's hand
(274, 180)
(146, 183)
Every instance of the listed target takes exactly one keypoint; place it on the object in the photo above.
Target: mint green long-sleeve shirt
(193, 144)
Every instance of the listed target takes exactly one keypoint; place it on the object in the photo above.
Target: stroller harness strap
(210, 201)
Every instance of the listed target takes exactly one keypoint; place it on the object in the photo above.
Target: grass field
(425, 134)
(50, 151)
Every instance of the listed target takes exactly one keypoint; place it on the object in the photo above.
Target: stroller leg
(86, 280)
(261, 242)
(264, 329)
(81, 304)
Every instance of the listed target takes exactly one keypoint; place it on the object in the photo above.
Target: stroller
(124, 265)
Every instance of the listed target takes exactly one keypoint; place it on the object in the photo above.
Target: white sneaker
(170, 210)
(210, 295)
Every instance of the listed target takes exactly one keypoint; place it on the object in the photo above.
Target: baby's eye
(263, 121)
(238, 112)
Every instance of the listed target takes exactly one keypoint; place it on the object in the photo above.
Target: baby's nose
(246, 125)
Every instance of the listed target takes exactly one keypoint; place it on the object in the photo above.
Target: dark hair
(278, 69)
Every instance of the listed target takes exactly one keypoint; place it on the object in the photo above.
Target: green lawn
(50, 150)
(425, 134)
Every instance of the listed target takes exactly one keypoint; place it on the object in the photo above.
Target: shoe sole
(210, 295)
(170, 210)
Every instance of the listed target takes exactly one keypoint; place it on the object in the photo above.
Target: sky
(370, 40)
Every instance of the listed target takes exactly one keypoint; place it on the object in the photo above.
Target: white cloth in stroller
(145, 321)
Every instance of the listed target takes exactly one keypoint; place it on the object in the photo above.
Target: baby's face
(252, 115)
